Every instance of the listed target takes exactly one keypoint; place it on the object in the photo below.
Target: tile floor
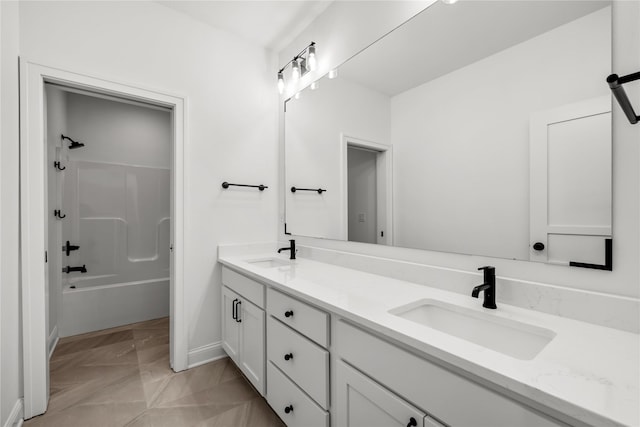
(121, 377)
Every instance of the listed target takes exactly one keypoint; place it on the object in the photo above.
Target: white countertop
(589, 372)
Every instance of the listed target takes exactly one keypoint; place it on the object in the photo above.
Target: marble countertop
(589, 372)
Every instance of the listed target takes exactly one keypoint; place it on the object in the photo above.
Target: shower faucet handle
(68, 247)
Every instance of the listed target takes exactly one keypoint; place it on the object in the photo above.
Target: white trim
(53, 340)
(205, 354)
(33, 215)
(384, 163)
(16, 417)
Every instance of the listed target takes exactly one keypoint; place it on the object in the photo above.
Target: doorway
(36, 213)
(367, 191)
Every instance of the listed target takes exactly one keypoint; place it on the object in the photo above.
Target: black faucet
(489, 287)
(291, 248)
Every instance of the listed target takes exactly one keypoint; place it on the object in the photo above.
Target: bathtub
(91, 303)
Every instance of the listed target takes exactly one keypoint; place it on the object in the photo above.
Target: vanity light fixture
(301, 64)
(314, 85)
(449, 1)
(333, 73)
(295, 71)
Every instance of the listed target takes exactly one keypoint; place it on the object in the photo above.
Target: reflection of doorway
(362, 195)
(367, 191)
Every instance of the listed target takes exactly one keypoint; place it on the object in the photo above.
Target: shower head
(74, 144)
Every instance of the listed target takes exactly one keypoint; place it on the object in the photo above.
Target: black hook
(57, 166)
(57, 213)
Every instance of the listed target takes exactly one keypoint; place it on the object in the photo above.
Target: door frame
(384, 173)
(33, 217)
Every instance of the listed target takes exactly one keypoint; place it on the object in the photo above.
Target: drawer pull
(288, 356)
(288, 313)
(288, 409)
(412, 422)
(238, 319)
(234, 312)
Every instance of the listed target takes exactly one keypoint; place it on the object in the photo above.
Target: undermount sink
(507, 336)
(269, 262)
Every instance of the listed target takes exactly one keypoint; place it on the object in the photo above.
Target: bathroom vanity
(328, 345)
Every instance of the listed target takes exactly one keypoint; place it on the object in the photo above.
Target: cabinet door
(363, 402)
(230, 327)
(252, 357)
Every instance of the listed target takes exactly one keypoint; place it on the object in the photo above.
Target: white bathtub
(94, 304)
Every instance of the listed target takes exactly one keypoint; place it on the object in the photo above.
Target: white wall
(338, 35)
(231, 116)
(10, 338)
(477, 201)
(118, 132)
(314, 151)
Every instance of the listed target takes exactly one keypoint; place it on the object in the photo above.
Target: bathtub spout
(69, 269)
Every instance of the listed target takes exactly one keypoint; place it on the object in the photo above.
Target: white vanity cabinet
(363, 402)
(387, 371)
(243, 325)
(298, 361)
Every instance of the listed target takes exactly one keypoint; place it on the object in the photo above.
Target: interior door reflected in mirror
(480, 128)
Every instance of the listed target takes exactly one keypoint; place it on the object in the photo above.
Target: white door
(230, 324)
(363, 402)
(252, 343)
(570, 182)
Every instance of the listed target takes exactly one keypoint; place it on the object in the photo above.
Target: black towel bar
(608, 259)
(615, 84)
(317, 190)
(259, 187)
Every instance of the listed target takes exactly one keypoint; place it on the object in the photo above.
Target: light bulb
(314, 85)
(311, 58)
(297, 95)
(280, 82)
(449, 1)
(295, 71)
(333, 73)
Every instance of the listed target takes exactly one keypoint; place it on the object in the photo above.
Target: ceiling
(271, 24)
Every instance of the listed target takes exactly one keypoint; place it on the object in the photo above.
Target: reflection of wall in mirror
(314, 151)
(464, 138)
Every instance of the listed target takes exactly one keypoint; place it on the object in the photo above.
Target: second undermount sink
(269, 262)
(507, 336)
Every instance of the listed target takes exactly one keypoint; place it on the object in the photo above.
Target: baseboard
(205, 354)
(16, 416)
(52, 342)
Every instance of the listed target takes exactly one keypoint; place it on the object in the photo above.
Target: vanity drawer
(282, 393)
(300, 316)
(242, 285)
(306, 363)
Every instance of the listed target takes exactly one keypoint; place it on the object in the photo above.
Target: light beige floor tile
(121, 377)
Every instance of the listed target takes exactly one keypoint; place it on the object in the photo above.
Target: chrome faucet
(489, 287)
(291, 248)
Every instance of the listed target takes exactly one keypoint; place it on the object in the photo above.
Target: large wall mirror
(482, 127)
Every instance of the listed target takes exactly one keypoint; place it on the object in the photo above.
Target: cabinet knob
(538, 246)
(288, 409)
(288, 356)
(412, 422)
(288, 313)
